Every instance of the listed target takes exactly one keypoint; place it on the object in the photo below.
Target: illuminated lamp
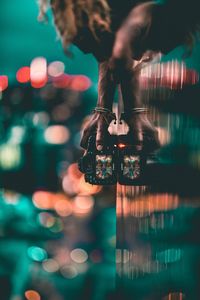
(3, 82)
(23, 75)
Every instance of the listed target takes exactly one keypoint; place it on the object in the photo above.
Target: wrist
(133, 112)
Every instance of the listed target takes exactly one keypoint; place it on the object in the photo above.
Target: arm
(99, 122)
(130, 43)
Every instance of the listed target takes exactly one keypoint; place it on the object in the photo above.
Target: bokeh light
(10, 156)
(63, 81)
(3, 83)
(23, 74)
(50, 265)
(79, 256)
(38, 72)
(46, 219)
(37, 253)
(63, 208)
(57, 134)
(32, 295)
(83, 204)
(80, 83)
(56, 68)
(42, 199)
(69, 272)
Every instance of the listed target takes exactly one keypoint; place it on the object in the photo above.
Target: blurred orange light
(3, 82)
(86, 188)
(23, 75)
(32, 295)
(80, 83)
(73, 171)
(121, 146)
(63, 208)
(83, 204)
(42, 199)
(57, 134)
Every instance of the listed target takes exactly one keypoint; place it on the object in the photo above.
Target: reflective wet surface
(158, 225)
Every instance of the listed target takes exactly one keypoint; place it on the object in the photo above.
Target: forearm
(106, 87)
(131, 90)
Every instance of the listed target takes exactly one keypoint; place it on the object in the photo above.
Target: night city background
(59, 234)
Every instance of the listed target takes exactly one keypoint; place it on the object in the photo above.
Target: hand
(142, 133)
(97, 125)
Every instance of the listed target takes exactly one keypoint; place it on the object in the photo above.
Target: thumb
(100, 136)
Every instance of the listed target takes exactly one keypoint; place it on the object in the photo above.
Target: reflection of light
(122, 256)
(174, 296)
(37, 254)
(80, 83)
(23, 75)
(169, 255)
(10, 156)
(163, 135)
(83, 204)
(56, 68)
(69, 272)
(50, 265)
(148, 204)
(32, 295)
(123, 207)
(38, 73)
(57, 134)
(3, 83)
(79, 256)
(63, 208)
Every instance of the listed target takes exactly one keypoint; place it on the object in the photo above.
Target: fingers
(101, 135)
(87, 133)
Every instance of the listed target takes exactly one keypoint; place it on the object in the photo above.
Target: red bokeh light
(80, 83)
(121, 145)
(38, 84)
(62, 81)
(3, 82)
(23, 75)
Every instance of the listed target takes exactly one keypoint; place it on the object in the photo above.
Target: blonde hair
(72, 15)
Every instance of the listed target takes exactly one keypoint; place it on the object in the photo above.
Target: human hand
(142, 134)
(97, 125)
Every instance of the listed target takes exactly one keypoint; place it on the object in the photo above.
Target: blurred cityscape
(60, 237)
